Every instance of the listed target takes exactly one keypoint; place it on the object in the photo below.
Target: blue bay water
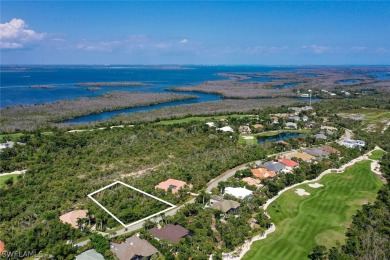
(16, 81)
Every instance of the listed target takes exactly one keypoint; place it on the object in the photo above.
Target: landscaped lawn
(242, 140)
(3, 178)
(376, 155)
(320, 218)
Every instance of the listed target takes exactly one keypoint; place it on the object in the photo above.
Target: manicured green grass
(320, 218)
(16, 136)
(253, 141)
(376, 155)
(3, 178)
(198, 119)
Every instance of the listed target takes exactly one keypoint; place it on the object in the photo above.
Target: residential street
(212, 184)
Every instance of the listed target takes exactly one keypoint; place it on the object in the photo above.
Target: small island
(43, 86)
(113, 84)
(93, 88)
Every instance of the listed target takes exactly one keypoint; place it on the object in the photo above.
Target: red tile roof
(2, 247)
(263, 173)
(329, 149)
(288, 162)
(175, 185)
(251, 181)
(71, 217)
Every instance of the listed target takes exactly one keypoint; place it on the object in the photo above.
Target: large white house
(353, 143)
(226, 129)
(239, 193)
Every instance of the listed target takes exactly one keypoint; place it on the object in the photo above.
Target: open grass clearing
(16, 136)
(6, 177)
(377, 155)
(247, 140)
(320, 218)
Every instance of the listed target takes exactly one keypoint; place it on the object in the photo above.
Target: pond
(287, 85)
(278, 137)
(380, 75)
(347, 81)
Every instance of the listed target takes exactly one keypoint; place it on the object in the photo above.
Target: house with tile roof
(133, 248)
(72, 217)
(244, 129)
(258, 126)
(329, 149)
(2, 247)
(91, 254)
(263, 173)
(172, 233)
(173, 185)
(251, 181)
(302, 156)
(226, 206)
(273, 166)
(288, 162)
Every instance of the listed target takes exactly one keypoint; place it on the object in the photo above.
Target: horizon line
(184, 64)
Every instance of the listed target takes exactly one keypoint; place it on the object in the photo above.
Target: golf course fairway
(319, 218)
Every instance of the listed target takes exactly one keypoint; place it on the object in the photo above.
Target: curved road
(210, 185)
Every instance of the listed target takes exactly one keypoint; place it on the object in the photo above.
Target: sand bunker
(315, 185)
(301, 192)
(248, 137)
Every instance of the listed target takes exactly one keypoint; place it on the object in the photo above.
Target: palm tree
(80, 222)
(89, 216)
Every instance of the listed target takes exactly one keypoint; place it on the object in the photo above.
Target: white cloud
(10, 45)
(184, 41)
(359, 48)
(266, 49)
(99, 46)
(15, 35)
(58, 40)
(317, 49)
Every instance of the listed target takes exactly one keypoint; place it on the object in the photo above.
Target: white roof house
(291, 125)
(211, 124)
(226, 129)
(240, 193)
(8, 144)
(353, 143)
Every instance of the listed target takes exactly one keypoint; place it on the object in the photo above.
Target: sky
(201, 32)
